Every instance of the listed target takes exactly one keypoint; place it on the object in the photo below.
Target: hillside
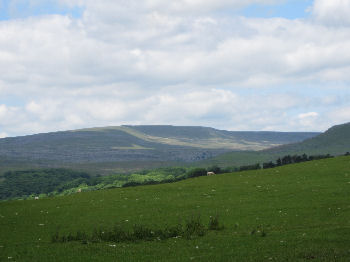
(133, 146)
(292, 213)
(335, 141)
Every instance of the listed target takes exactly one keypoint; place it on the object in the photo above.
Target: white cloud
(308, 115)
(340, 115)
(152, 62)
(308, 120)
(3, 111)
(332, 12)
(34, 107)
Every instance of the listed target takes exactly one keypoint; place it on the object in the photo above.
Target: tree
(250, 167)
(197, 172)
(304, 157)
(268, 165)
(216, 169)
(279, 162)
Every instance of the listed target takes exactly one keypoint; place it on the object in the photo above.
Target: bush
(132, 183)
(214, 223)
(317, 157)
(229, 169)
(192, 228)
(216, 169)
(195, 172)
(141, 232)
(268, 165)
(250, 167)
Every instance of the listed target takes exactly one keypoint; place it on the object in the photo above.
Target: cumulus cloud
(340, 114)
(308, 119)
(161, 62)
(308, 115)
(335, 12)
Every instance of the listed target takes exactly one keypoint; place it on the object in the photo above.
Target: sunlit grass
(293, 213)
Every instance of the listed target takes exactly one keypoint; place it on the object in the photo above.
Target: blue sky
(226, 64)
(291, 9)
(10, 9)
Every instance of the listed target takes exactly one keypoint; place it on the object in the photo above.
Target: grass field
(304, 209)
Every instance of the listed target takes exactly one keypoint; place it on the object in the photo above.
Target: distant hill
(335, 141)
(135, 144)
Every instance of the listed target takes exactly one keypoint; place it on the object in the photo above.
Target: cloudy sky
(230, 64)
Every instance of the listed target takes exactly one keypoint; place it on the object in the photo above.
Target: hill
(292, 213)
(335, 141)
(130, 147)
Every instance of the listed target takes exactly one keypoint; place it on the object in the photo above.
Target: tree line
(288, 159)
(53, 182)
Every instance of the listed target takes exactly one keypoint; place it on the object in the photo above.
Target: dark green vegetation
(191, 229)
(57, 182)
(28, 184)
(297, 212)
(35, 182)
(287, 160)
(125, 148)
(335, 141)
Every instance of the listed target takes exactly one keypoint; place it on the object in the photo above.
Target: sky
(275, 65)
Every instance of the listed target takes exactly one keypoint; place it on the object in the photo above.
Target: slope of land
(132, 145)
(303, 210)
(335, 141)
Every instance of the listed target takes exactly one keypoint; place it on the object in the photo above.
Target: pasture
(297, 212)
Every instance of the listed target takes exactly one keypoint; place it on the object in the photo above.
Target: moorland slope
(133, 146)
(335, 141)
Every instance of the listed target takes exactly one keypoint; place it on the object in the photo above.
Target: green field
(304, 209)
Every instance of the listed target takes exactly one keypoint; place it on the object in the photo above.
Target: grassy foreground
(304, 210)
